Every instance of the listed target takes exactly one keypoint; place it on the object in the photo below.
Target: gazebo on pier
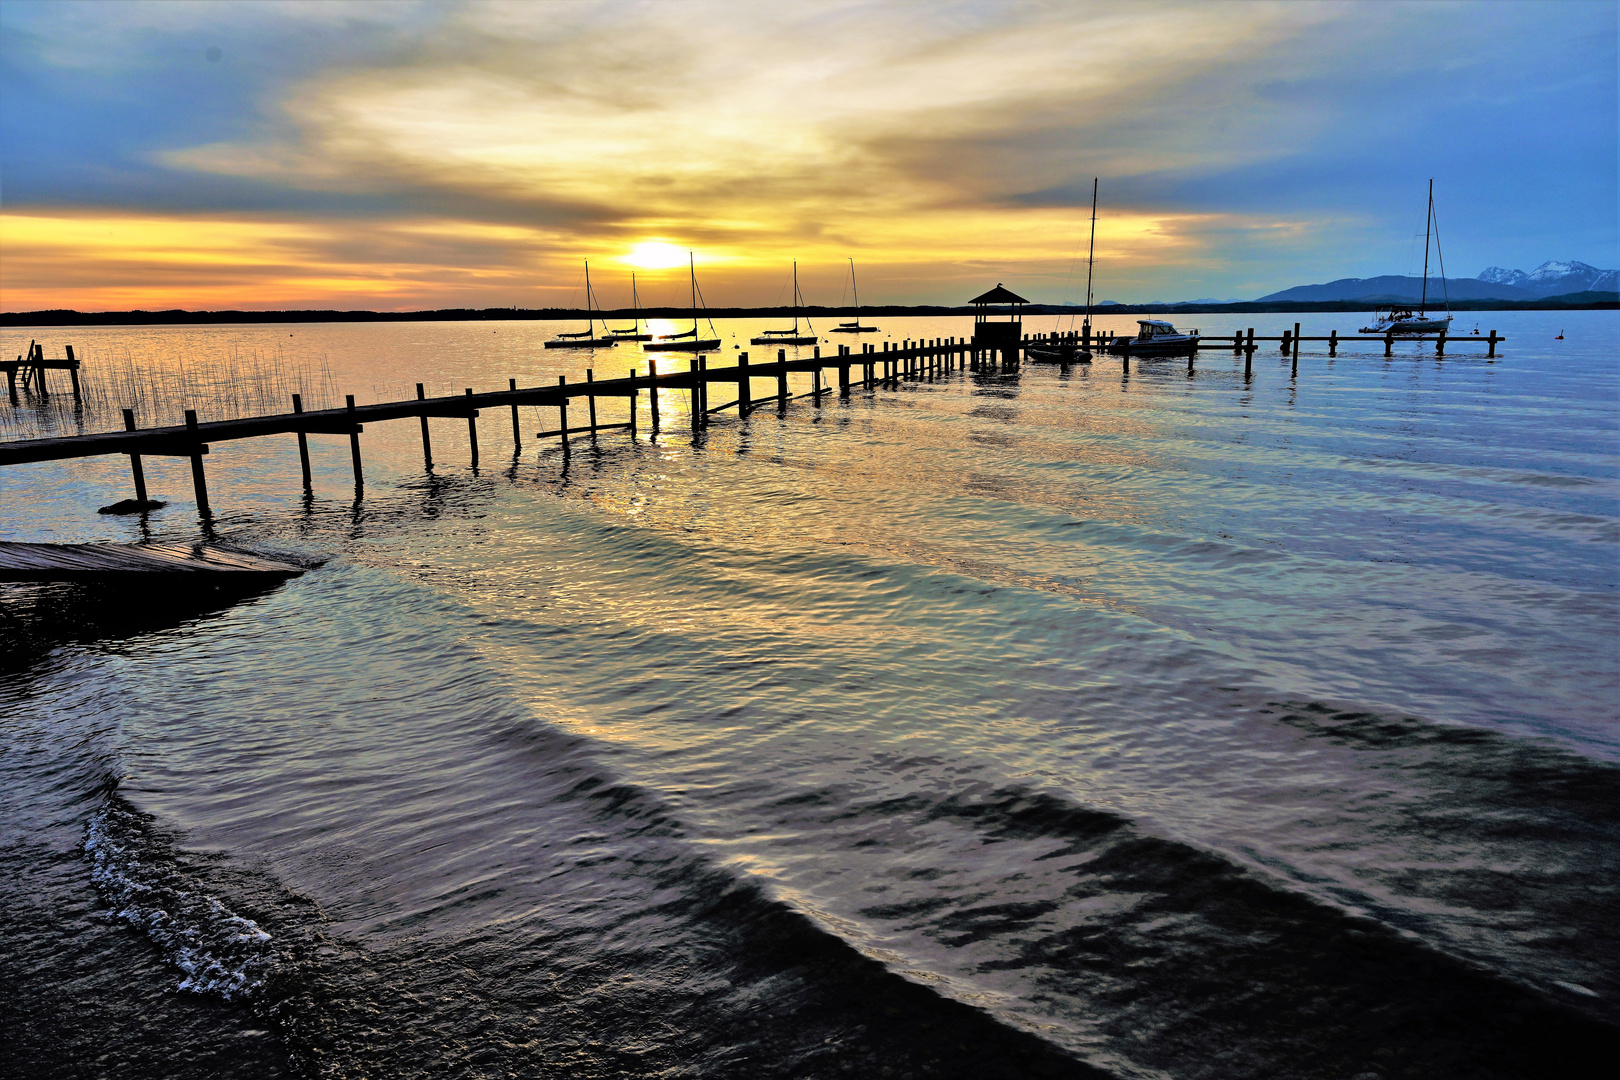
(989, 334)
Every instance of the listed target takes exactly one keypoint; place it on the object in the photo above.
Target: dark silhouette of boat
(633, 333)
(789, 337)
(587, 338)
(854, 327)
(687, 340)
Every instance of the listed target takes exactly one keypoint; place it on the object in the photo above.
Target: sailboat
(631, 333)
(790, 337)
(1065, 352)
(854, 327)
(585, 339)
(687, 341)
(1401, 320)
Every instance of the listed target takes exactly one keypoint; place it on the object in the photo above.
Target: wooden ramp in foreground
(102, 562)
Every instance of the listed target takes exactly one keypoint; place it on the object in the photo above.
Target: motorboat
(1155, 337)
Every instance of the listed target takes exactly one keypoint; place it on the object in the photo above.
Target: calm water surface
(1045, 723)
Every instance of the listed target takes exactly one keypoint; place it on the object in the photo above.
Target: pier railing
(869, 369)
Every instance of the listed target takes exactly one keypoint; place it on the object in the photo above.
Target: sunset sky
(420, 155)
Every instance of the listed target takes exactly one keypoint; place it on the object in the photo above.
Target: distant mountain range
(1548, 279)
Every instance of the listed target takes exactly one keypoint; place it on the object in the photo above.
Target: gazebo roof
(999, 295)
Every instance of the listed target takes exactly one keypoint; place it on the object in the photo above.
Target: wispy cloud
(932, 142)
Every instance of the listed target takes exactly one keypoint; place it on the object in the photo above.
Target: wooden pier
(103, 562)
(869, 369)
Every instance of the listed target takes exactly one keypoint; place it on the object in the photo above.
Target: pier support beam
(199, 482)
(781, 380)
(354, 445)
(590, 399)
(652, 392)
(136, 472)
(427, 444)
(745, 400)
(517, 436)
(472, 432)
(303, 439)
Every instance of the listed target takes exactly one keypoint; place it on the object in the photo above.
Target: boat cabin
(1151, 329)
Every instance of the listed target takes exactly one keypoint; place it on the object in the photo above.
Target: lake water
(1056, 722)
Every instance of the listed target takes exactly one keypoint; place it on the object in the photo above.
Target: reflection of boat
(1400, 319)
(633, 333)
(1157, 338)
(789, 337)
(854, 327)
(687, 340)
(585, 339)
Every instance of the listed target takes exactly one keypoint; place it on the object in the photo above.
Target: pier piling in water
(199, 482)
(427, 444)
(303, 440)
(354, 444)
(472, 431)
(136, 472)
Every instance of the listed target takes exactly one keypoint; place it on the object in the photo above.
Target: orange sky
(407, 155)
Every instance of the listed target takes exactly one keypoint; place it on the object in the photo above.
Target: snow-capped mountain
(1554, 278)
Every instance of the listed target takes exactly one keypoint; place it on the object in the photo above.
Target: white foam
(220, 951)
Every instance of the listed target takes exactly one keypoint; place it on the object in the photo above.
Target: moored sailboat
(587, 338)
(687, 340)
(789, 337)
(634, 332)
(1401, 319)
(1064, 350)
(854, 327)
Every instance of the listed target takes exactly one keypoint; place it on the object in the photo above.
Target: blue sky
(399, 155)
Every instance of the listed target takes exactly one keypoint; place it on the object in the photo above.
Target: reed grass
(232, 385)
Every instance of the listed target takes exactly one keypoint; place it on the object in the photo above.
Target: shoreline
(177, 317)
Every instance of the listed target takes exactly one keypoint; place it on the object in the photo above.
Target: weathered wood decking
(103, 562)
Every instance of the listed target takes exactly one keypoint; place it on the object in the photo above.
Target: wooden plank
(81, 562)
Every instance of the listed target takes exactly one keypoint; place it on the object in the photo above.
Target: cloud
(943, 139)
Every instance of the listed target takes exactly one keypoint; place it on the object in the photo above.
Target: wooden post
(1440, 344)
(1491, 354)
(1389, 344)
(562, 413)
(652, 391)
(517, 436)
(1248, 354)
(703, 376)
(781, 380)
(135, 462)
(39, 371)
(697, 398)
(303, 440)
(590, 399)
(1190, 357)
(11, 381)
(199, 482)
(1333, 343)
(843, 371)
(1287, 343)
(354, 445)
(745, 392)
(633, 392)
(472, 432)
(427, 445)
(73, 373)
(1296, 341)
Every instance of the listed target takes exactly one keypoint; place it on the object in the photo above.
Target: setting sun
(655, 255)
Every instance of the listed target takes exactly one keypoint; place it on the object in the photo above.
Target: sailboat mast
(1091, 257)
(635, 303)
(590, 325)
(856, 290)
(691, 270)
(1423, 304)
(795, 298)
